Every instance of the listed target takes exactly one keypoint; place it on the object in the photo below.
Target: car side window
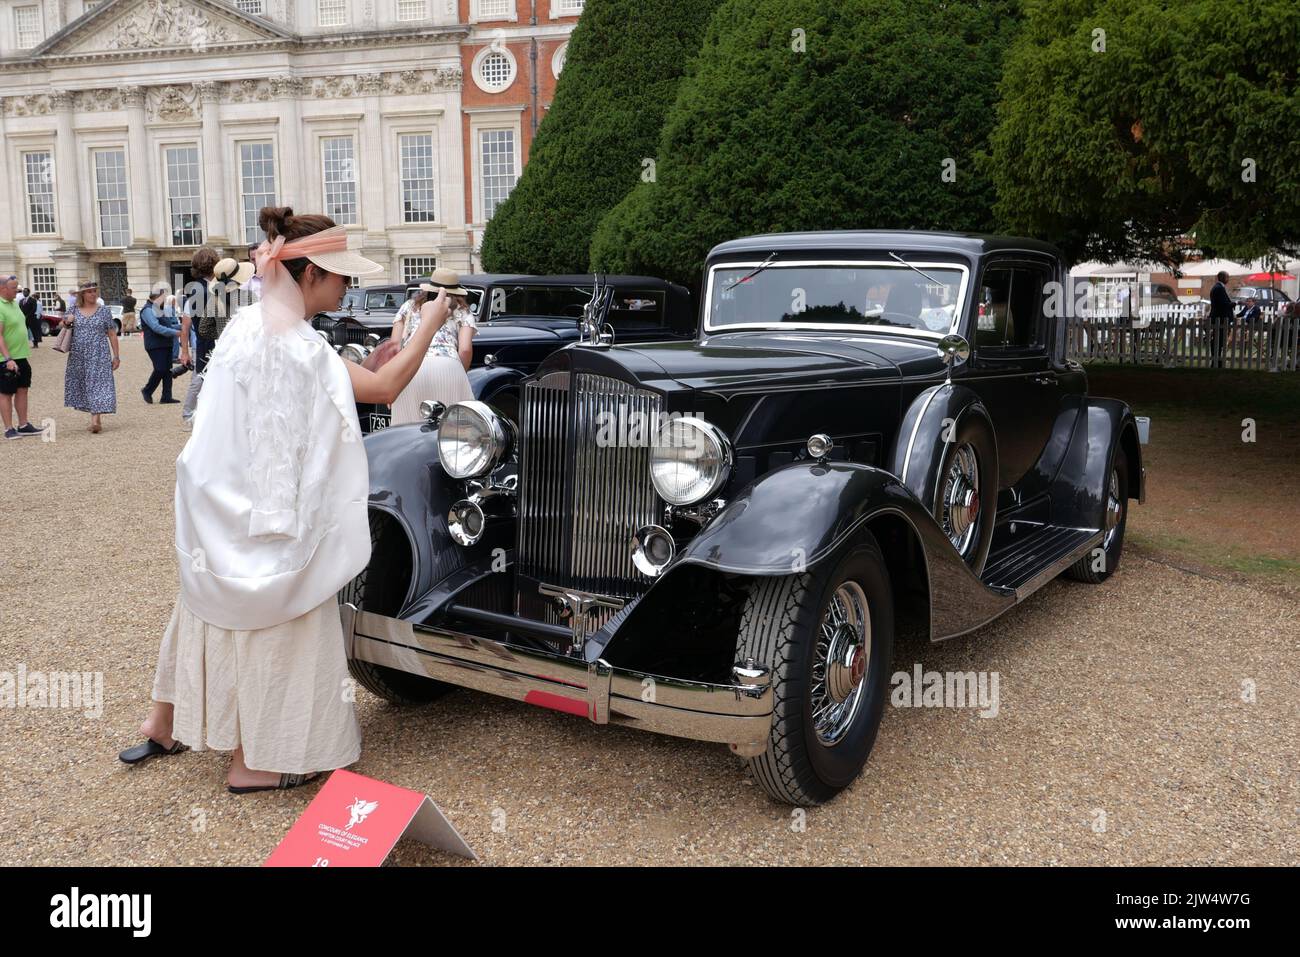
(994, 306)
(1010, 317)
(637, 309)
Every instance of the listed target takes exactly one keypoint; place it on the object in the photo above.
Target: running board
(1027, 565)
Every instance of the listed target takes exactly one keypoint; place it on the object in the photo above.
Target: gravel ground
(1122, 735)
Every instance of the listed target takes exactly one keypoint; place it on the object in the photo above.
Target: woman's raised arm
(387, 384)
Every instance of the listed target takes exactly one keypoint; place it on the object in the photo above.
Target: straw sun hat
(443, 278)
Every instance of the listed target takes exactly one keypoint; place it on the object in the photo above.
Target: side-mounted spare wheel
(381, 588)
(827, 635)
(966, 489)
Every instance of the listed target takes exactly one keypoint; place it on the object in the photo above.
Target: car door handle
(1046, 378)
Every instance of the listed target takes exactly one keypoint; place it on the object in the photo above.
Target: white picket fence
(1183, 336)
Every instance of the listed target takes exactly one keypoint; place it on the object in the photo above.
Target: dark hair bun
(274, 220)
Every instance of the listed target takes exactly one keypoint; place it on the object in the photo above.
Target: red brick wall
(519, 93)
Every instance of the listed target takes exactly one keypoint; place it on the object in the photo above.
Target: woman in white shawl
(271, 522)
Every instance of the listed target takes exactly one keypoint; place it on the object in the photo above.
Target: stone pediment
(135, 26)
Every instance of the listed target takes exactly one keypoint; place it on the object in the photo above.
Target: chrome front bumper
(738, 714)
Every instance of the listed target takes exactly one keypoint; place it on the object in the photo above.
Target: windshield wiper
(937, 282)
(758, 269)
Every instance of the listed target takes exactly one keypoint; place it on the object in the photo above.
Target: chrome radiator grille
(580, 500)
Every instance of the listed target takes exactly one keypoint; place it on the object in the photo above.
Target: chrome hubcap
(1114, 510)
(840, 663)
(961, 499)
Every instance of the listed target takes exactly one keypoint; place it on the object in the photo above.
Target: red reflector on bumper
(557, 702)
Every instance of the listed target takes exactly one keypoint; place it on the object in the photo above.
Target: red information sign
(355, 821)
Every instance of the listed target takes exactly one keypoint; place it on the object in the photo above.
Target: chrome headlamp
(690, 461)
(354, 353)
(472, 440)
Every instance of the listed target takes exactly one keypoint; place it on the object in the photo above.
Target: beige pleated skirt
(282, 692)
(440, 378)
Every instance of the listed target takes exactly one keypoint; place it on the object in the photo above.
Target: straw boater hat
(443, 278)
(229, 270)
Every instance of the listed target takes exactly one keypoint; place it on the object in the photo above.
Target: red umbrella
(1268, 276)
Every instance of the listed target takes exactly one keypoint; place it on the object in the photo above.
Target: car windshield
(873, 294)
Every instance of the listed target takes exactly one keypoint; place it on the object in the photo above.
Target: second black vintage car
(872, 433)
(521, 320)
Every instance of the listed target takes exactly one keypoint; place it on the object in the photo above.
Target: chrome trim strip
(907, 459)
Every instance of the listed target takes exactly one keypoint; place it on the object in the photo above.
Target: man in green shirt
(15, 371)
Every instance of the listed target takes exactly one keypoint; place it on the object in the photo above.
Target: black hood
(748, 361)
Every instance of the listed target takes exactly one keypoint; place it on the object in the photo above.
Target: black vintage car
(525, 319)
(363, 311)
(719, 539)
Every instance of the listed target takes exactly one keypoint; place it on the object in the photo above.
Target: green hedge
(624, 62)
(852, 131)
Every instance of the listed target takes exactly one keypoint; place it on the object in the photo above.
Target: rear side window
(1010, 316)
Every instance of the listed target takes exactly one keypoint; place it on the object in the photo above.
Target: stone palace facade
(133, 131)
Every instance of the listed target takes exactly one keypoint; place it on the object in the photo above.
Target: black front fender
(486, 382)
(408, 483)
(795, 517)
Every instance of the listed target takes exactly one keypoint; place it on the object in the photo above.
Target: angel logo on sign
(360, 810)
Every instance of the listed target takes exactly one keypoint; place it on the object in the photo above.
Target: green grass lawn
(1214, 500)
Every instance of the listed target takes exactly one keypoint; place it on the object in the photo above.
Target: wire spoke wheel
(841, 659)
(1114, 510)
(960, 500)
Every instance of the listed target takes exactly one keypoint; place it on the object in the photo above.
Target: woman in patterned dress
(442, 373)
(88, 384)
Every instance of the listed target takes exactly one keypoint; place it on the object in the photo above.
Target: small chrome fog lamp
(372, 340)
(465, 522)
(652, 549)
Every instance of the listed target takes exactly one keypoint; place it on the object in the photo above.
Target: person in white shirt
(271, 522)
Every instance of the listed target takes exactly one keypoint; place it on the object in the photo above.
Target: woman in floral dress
(442, 373)
(88, 384)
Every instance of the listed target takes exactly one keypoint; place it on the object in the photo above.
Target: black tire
(1094, 568)
(974, 432)
(384, 597)
(396, 687)
(779, 629)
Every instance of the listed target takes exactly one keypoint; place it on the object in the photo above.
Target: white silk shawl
(271, 488)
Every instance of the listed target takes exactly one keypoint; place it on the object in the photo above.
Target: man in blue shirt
(159, 341)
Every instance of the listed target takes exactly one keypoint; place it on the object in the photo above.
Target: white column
(66, 179)
(291, 190)
(215, 212)
(373, 186)
(375, 181)
(142, 185)
(11, 209)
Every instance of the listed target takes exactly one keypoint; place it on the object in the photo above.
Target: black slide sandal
(286, 781)
(150, 749)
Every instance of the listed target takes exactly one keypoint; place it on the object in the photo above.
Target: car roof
(968, 244)
(484, 279)
(392, 287)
